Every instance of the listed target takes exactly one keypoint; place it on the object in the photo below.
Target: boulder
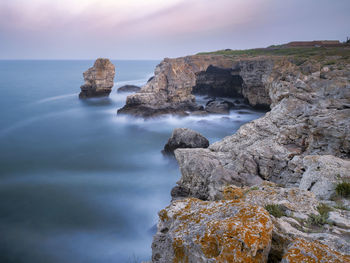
(128, 88)
(192, 230)
(185, 138)
(204, 175)
(219, 107)
(99, 79)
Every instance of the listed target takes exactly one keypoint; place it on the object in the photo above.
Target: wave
(29, 121)
(57, 97)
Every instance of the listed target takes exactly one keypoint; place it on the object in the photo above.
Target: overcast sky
(154, 29)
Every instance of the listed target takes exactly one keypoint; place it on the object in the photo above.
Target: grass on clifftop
(318, 53)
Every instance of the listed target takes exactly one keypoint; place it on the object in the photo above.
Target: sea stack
(99, 79)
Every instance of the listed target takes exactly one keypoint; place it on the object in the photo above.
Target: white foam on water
(60, 97)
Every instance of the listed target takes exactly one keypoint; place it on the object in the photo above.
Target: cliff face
(302, 144)
(99, 79)
(170, 91)
(309, 116)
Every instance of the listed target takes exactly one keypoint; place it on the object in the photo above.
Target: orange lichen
(179, 251)
(313, 252)
(163, 215)
(238, 232)
(232, 192)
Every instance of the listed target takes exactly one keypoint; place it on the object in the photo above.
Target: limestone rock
(192, 230)
(309, 116)
(304, 251)
(185, 138)
(128, 88)
(297, 206)
(176, 79)
(323, 173)
(204, 175)
(99, 79)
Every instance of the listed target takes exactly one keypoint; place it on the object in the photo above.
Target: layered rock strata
(99, 79)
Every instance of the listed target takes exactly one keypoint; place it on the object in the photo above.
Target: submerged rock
(219, 107)
(192, 230)
(129, 88)
(99, 79)
(185, 138)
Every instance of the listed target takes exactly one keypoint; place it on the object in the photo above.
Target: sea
(79, 183)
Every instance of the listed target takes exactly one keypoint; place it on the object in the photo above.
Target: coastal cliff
(172, 89)
(291, 160)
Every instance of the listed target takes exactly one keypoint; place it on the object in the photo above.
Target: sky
(154, 29)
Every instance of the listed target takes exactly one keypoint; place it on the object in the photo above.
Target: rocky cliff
(176, 80)
(289, 162)
(99, 79)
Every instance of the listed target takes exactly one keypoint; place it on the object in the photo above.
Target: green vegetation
(254, 188)
(275, 210)
(343, 189)
(320, 219)
(300, 53)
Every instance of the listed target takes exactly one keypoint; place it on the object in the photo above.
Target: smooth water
(77, 182)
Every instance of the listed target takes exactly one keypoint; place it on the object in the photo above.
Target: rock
(297, 205)
(192, 230)
(128, 88)
(174, 80)
(204, 176)
(185, 138)
(305, 251)
(219, 107)
(308, 117)
(340, 218)
(323, 173)
(99, 79)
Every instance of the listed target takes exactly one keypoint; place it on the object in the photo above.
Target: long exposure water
(77, 182)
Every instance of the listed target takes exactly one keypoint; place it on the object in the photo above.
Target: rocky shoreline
(292, 160)
(269, 192)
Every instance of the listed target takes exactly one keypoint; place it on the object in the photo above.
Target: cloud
(158, 28)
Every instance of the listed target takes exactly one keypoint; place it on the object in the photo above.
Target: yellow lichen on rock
(213, 231)
(312, 252)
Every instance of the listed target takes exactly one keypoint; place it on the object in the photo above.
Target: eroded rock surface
(309, 116)
(185, 138)
(170, 91)
(297, 206)
(99, 79)
(323, 173)
(192, 230)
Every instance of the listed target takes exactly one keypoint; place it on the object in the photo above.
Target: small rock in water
(99, 79)
(219, 107)
(185, 138)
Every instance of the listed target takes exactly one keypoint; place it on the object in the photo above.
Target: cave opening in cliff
(218, 82)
